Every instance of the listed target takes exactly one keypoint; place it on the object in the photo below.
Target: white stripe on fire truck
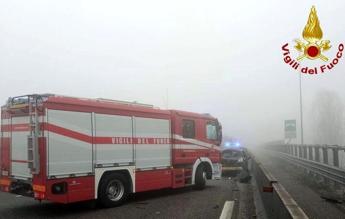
(195, 142)
(190, 147)
(191, 143)
(5, 121)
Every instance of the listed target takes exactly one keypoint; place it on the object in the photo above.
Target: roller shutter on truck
(79, 142)
(155, 152)
(113, 139)
(19, 133)
(69, 143)
(129, 140)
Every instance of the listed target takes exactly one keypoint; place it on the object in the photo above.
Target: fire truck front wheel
(113, 190)
(200, 177)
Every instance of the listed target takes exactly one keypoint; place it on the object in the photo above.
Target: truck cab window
(211, 131)
(188, 128)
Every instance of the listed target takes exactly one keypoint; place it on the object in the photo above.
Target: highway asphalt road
(180, 203)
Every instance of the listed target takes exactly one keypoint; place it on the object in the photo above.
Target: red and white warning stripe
(178, 140)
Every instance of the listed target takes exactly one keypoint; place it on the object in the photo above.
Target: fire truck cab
(68, 149)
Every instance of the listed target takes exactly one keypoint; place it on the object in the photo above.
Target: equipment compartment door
(19, 147)
(113, 139)
(153, 147)
(70, 142)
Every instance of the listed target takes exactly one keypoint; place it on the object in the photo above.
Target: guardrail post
(325, 155)
(299, 151)
(294, 150)
(291, 149)
(305, 152)
(336, 157)
(285, 149)
(310, 150)
(317, 153)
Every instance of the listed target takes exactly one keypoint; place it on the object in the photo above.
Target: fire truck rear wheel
(200, 177)
(113, 190)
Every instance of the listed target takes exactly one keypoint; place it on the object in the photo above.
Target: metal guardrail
(276, 200)
(309, 157)
(332, 173)
(317, 153)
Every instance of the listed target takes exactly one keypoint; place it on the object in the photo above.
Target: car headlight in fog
(240, 159)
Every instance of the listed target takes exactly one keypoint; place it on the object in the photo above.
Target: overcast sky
(220, 57)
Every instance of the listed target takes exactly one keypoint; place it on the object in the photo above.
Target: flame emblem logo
(312, 34)
(312, 47)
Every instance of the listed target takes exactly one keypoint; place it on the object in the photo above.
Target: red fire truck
(68, 149)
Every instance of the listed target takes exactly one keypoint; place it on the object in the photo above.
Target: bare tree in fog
(328, 118)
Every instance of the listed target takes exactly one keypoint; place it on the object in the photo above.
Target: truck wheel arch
(208, 165)
(128, 172)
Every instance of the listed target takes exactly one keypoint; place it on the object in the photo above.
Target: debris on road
(244, 177)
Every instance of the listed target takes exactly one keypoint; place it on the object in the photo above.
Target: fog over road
(221, 58)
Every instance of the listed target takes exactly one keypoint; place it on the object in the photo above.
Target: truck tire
(113, 190)
(200, 177)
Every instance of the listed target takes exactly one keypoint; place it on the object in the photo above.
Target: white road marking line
(227, 210)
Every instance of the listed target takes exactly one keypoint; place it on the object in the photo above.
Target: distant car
(232, 159)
